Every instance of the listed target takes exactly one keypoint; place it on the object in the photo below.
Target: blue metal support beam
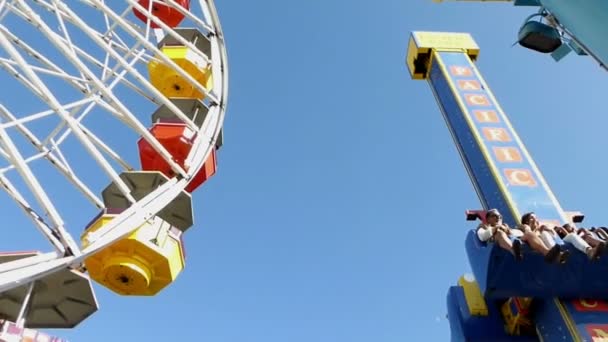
(505, 177)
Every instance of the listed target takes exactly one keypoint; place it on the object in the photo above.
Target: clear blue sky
(337, 214)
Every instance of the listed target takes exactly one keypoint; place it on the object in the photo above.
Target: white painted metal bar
(19, 77)
(66, 34)
(21, 276)
(133, 121)
(29, 261)
(3, 11)
(107, 149)
(45, 71)
(36, 116)
(63, 167)
(54, 103)
(221, 68)
(80, 52)
(62, 161)
(45, 61)
(144, 209)
(189, 14)
(116, 81)
(171, 31)
(96, 141)
(32, 182)
(21, 317)
(15, 273)
(38, 221)
(10, 166)
(124, 25)
(85, 54)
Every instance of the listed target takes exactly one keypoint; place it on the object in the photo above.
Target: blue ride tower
(508, 300)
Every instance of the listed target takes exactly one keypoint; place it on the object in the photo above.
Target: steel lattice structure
(79, 89)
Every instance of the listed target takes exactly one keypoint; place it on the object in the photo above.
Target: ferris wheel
(111, 115)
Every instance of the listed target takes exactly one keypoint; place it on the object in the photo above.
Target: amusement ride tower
(111, 113)
(508, 300)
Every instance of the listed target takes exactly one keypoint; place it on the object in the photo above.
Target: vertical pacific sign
(500, 167)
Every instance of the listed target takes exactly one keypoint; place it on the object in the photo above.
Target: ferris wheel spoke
(39, 115)
(90, 106)
(80, 52)
(104, 147)
(23, 311)
(128, 116)
(24, 275)
(46, 71)
(38, 221)
(166, 28)
(62, 165)
(86, 67)
(8, 66)
(160, 56)
(28, 261)
(37, 190)
(61, 125)
(65, 32)
(158, 96)
(54, 104)
(80, 84)
(3, 11)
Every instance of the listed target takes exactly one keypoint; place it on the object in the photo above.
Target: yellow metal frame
(516, 322)
(422, 44)
(472, 295)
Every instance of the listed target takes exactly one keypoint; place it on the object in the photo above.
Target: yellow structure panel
(170, 83)
(141, 264)
(474, 298)
(516, 317)
(422, 45)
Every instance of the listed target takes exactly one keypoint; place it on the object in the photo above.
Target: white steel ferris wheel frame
(23, 271)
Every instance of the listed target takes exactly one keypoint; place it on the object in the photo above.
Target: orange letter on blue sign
(476, 100)
(507, 154)
(457, 70)
(520, 177)
(486, 116)
(496, 134)
(469, 85)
